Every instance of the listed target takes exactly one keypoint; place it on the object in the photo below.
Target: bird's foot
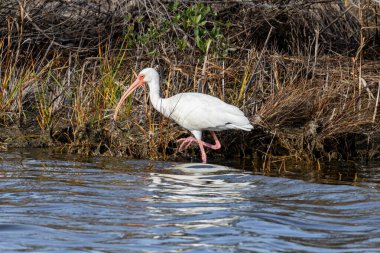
(186, 142)
(213, 146)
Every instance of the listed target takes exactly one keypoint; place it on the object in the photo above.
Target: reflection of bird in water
(196, 112)
(198, 183)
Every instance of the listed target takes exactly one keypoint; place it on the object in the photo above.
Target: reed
(305, 73)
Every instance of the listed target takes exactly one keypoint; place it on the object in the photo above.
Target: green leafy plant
(197, 20)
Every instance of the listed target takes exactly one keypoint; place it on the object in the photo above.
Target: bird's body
(199, 112)
(195, 112)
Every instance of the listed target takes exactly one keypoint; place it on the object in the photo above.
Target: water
(56, 203)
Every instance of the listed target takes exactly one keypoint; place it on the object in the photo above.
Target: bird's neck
(155, 97)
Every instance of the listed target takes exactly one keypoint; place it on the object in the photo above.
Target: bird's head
(147, 75)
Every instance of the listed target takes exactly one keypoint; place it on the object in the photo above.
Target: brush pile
(307, 73)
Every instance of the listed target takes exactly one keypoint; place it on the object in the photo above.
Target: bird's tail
(247, 127)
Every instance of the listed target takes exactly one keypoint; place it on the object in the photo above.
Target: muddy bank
(130, 140)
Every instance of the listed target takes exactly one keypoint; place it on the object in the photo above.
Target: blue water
(57, 203)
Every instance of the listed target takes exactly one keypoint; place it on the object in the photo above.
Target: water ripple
(50, 203)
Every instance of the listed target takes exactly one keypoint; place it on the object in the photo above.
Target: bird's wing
(197, 111)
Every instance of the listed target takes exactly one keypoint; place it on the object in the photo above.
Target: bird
(196, 112)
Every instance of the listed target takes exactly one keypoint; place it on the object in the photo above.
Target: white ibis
(196, 112)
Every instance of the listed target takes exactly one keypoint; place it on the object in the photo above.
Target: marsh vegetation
(305, 72)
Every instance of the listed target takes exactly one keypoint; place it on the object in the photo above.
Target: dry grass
(306, 74)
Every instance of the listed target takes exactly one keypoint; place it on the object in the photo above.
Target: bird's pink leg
(203, 153)
(217, 143)
(186, 142)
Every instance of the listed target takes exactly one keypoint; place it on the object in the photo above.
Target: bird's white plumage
(197, 111)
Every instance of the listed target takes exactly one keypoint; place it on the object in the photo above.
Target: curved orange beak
(139, 82)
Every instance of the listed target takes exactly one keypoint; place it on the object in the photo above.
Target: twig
(44, 34)
(269, 146)
(335, 20)
(252, 79)
(376, 104)
(316, 48)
